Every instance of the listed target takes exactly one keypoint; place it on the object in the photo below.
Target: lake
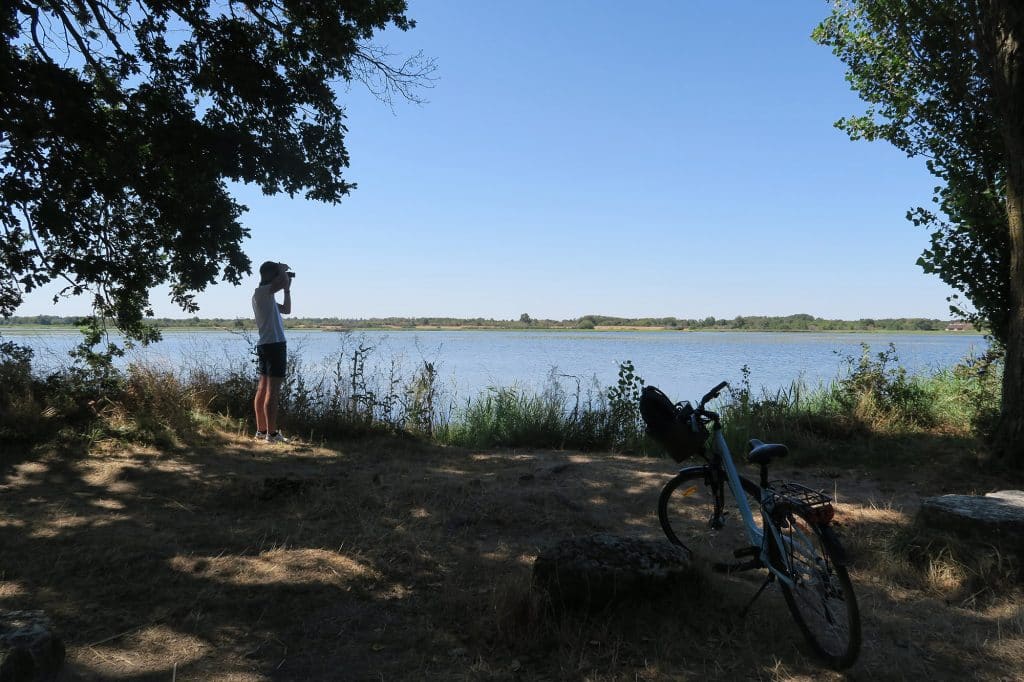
(683, 364)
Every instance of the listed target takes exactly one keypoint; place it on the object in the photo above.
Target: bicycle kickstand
(770, 578)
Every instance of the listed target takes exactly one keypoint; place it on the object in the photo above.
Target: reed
(341, 397)
(872, 397)
(568, 412)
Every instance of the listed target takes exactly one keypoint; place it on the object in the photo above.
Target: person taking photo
(271, 349)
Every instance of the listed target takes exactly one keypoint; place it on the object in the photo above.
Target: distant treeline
(802, 322)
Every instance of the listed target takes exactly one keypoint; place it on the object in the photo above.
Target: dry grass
(393, 560)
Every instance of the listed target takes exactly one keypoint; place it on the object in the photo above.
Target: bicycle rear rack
(816, 505)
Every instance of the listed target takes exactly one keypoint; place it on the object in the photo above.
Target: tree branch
(97, 13)
(41, 254)
(262, 18)
(415, 72)
(35, 35)
(69, 27)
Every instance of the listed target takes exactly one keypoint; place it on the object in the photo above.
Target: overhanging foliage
(917, 66)
(121, 123)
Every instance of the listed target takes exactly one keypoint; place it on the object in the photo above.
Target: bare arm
(286, 307)
(286, 284)
(283, 281)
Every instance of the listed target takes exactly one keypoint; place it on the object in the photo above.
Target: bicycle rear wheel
(686, 510)
(821, 599)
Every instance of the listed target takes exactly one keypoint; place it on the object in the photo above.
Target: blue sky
(632, 159)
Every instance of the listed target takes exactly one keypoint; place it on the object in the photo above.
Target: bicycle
(793, 538)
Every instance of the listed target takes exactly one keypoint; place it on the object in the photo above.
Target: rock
(599, 570)
(1013, 497)
(28, 647)
(995, 518)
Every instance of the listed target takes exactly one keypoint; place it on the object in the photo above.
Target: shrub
(874, 395)
(877, 389)
(421, 400)
(21, 415)
(777, 416)
(978, 382)
(624, 408)
(154, 405)
(343, 396)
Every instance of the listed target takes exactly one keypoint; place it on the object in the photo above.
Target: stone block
(994, 518)
(29, 650)
(597, 570)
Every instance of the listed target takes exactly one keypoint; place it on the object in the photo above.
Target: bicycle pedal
(747, 551)
(738, 568)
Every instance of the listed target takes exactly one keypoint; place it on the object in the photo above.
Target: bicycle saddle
(762, 453)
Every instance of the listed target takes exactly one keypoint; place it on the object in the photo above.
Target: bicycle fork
(716, 482)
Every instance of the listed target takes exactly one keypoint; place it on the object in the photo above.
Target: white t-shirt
(268, 316)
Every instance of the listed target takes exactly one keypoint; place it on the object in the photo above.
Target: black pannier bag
(669, 424)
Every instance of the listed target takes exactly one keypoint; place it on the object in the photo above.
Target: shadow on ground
(392, 559)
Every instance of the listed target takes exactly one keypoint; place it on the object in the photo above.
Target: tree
(121, 122)
(944, 79)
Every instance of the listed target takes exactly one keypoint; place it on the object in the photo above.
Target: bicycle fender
(835, 548)
(701, 469)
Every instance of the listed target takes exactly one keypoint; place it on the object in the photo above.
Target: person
(271, 349)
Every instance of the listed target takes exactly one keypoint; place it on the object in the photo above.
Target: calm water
(683, 364)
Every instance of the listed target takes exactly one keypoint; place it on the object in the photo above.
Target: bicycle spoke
(782, 526)
(686, 511)
(820, 597)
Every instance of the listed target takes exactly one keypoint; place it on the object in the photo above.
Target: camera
(291, 275)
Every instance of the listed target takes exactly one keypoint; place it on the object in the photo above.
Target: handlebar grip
(713, 393)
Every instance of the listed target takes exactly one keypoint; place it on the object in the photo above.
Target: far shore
(36, 329)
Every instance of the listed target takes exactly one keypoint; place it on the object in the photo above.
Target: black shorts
(271, 359)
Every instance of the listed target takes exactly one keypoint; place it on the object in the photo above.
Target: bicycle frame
(754, 534)
(794, 541)
(733, 477)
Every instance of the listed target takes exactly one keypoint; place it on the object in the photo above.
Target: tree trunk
(1009, 435)
(1002, 45)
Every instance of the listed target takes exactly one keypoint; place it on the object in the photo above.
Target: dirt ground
(388, 559)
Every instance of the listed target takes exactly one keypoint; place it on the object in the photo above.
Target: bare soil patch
(389, 559)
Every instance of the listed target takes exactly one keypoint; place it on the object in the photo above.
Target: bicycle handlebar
(712, 394)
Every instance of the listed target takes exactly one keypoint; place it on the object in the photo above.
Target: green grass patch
(871, 412)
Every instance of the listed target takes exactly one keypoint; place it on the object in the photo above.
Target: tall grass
(342, 396)
(872, 396)
(558, 417)
(338, 397)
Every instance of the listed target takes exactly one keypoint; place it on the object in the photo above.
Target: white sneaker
(276, 437)
(260, 435)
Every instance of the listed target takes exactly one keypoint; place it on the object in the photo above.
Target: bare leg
(273, 393)
(260, 403)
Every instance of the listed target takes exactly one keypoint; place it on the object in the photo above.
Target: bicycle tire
(685, 508)
(822, 600)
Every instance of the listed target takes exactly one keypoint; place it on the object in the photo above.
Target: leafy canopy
(916, 64)
(121, 122)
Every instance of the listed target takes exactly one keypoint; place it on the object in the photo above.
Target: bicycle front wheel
(686, 510)
(821, 598)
